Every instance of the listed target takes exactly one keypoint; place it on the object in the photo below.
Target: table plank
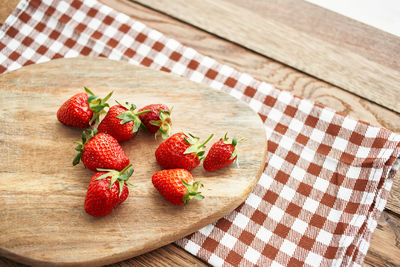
(316, 55)
(385, 246)
(384, 240)
(320, 22)
(166, 256)
(170, 255)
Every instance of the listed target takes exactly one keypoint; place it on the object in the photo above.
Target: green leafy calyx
(97, 105)
(122, 177)
(86, 136)
(195, 145)
(232, 142)
(192, 191)
(164, 123)
(131, 115)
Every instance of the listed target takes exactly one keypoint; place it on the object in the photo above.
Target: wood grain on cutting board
(42, 194)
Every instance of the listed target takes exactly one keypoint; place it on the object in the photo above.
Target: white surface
(381, 14)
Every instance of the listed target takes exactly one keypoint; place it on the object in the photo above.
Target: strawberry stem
(233, 142)
(88, 91)
(208, 139)
(195, 147)
(241, 139)
(97, 105)
(164, 123)
(192, 191)
(86, 136)
(143, 111)
(121, 177)
(130, 115)
(124, 169)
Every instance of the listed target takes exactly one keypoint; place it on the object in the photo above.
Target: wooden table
(307, 50)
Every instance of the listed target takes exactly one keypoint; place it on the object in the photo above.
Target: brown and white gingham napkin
(327, 176)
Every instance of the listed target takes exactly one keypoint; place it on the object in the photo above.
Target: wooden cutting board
(42, 221)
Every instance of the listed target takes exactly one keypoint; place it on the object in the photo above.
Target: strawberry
(158, 120)
(121, 121)
(221, 154)
(100, 151)
(177, 186)
(181, 151)
(104, 194)
(82, 109)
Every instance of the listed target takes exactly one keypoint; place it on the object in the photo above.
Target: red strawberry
(177, 186)
(100, 151)
(181, 151)
(158, 120)
(104, 194)
(121, 122)
(82, 109)
(221, 154)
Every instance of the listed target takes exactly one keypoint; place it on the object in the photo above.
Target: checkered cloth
(327, 176)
